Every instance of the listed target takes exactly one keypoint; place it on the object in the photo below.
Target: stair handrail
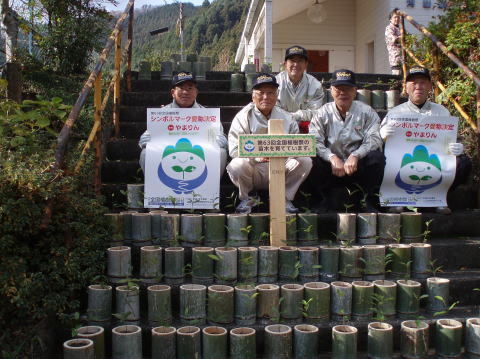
(95, 81)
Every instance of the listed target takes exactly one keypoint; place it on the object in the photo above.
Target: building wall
(335, 34)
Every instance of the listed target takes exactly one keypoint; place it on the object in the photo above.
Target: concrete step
(209, 99)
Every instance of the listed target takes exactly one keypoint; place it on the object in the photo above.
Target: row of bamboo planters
(237, 230)
(268, 264)
(279, 341)
(313, 302)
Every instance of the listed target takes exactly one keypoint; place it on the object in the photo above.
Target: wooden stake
(97, 100)
(278, 231)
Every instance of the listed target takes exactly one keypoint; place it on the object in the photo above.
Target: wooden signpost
(277, 146)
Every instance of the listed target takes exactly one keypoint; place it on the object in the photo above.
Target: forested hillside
(210, 30)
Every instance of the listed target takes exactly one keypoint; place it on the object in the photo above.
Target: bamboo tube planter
(247, 264)
(164, 342)
(292, 223)
(170, 226)
(291, 306)
(116, 222)
(156, 221)
(346, 227)
(188, 343)
(237, 82)
(135, 195)
(214, 343)
(243, 343)
(350, 266)
(378, 99)
(438, 288)
(174, 265)
(305, 341)
(362, 308)
(317, 297)
(127, 224)
(119, 264)
(341, 300)
(374, 262)
(166, 70)
(307, 229)
(278, 341)
(220, 304)
(329, 259)
(128, 302)
(202, 265)
(421, 259)
(268, 302)
(237, 228)
(408, 298)
(344, 342)
(99, 303)
(386, 302)
(141, 227)
(364, 96)
(448, 338)
(245, 304)
(127, 342)
(193, 304)
(367, 228)
(78, 349)
(380, 340)
(472, 338)
(214, 229)
(159, 305)
(401, 259)
(151, 264)
(309, 265)
(388, 227)
(191, 230)
(260, 228)
(411, 227)
(226, 265)
(414, 339)
(96, 334)
(267, 264)
(287, 262)
(392, 98)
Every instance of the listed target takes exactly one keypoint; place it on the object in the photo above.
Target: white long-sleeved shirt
(301, 100)
(220, 138)
(357, 134)
(249, 120)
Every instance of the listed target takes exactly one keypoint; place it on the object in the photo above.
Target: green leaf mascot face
(421, 169)
(184, 161)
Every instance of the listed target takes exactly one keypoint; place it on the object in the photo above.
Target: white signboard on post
(419, 169)
(182, 165)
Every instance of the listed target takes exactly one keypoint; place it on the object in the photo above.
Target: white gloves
(387, 130)
(144, 138)
(455, 149)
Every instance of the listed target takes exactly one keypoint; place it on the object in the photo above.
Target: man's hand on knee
(337, 166)
(351, 165)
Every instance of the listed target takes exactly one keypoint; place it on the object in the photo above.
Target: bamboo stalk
(159, 304)
(163, 342)
(192, 304)
(287, 262)
(78, 348)
(191, 229)
(400, 265)
(130, 46)
(151, 264)
(220, 304)
(414, 340)
(344, 342)
(99, 303)
(128, 302)
(374, 262)
(448, 338)
(174, 265)
(97, 116)
(346, 227)
(329, 259)
(259, 233)
(242, 343)
(472, 337)
(307, 229)
(386, 294)
(438, 288)
(350, 263)
(309, 265)
(188, 342)
(226, 265)
(421, 259)
(291, 306)
(404, 55)
(214, 229)
(247, 264)
(96, 334)
(317, 297)
(214, 343)
(362, 306)
(367, 228)
(170, 229)
(305, 339)
(341, 300)
(202, 265)
(408, 298)
(267, 264)
(245, 304)
(278, 341)
(119, 265)
(380, 340)
(237, 225)
(268, 302)
(388, 227)
(116, 88)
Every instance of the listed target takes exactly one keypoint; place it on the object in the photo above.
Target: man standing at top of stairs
(184, 94)
(299, 93)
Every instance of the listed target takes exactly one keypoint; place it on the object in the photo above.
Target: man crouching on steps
(249, 174)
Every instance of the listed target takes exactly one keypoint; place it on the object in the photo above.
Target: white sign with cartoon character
(182, 165)
(419, 169)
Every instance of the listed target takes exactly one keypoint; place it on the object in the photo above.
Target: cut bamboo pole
(408, 298)
(245, 304)
(159, 305)
(268, 302)
(309, 264)
(226, 265)
(414, 339)
(421, 260)
(247, 264)
(341, 300)
(202, 265)
(174, 265)
(350, 266)
(128, 302)
(191, 230)
(344, 342)
(135, 194)
(188, 343)
(346, 227)
(220, 304)
(214, 343)
(401, 260)
(214, 229)
(267, 264)
(278, 341)
(386, 298)
(96, 334)
(362, 306)
(367, 228)
(141, 227)
(291, 224)
(329, 259)
(151, 264)
(291, 306)
(78, 349)
(119, 264)
(127, 224)
(164, 342)
(317, 297)
(260, 228)
(438, 291)
(116, 222)
(472, 338)
(288, 263)
(170, 227)
(411, 227)
(448, 338)
(127, 342)
(307, 229)
(388, 227)
(99, 303)
(374, 262)
(243, 343)
(380, 340)
(237, 225)
(193, 304)
(305, 341)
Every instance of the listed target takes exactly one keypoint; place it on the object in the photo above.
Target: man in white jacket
(249, 174)
(184, 94)
(299, 93)
(419, 86)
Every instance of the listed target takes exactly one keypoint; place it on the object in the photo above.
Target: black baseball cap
(296, 51)
(343, 77)
(418, 71)
(264, 79)
(183, 76)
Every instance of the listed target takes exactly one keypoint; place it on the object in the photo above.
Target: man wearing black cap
(249, 174)
(348, 143)
(184, 93)
(299, 93)
(419, 87)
